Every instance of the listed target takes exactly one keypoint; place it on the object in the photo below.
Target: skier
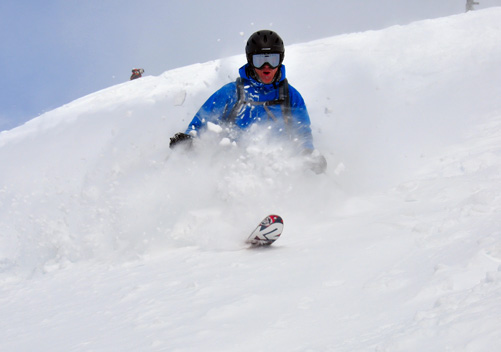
(136, 73)
(260, 96)
(469, 5)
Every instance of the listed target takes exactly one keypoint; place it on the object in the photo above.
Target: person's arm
(213, 110)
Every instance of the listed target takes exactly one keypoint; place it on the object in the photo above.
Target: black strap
(286, 105)
(240, 101)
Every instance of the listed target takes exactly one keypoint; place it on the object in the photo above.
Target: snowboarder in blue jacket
(261, 96)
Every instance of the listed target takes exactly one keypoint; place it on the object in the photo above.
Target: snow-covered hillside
(110, 242)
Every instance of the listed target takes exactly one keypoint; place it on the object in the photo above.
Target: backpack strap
(230, 118)
(286, 98)
(283, 100)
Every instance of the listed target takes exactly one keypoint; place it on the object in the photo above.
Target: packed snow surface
(109, 241)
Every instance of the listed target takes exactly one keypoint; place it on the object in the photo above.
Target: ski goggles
(259, 60)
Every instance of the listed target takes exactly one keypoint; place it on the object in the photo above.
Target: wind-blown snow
(111, 242)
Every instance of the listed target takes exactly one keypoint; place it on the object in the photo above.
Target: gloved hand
(315, 161)
(181, 139)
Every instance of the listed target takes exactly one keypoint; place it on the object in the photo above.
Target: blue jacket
(219, 106)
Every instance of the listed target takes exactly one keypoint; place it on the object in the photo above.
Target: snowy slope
(110, 242)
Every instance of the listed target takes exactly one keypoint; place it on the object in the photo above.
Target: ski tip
(267, 232)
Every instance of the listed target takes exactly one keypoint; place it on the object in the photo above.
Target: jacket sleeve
(214, 109)
(301, 125)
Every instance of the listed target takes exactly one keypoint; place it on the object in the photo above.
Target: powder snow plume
(110, 241)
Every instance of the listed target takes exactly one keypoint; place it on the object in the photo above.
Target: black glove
(315, 161)
(181, 139)
(319, 164)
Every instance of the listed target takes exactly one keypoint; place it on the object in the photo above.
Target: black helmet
(264, 42)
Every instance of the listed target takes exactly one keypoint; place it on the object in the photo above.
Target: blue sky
(56, 51)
